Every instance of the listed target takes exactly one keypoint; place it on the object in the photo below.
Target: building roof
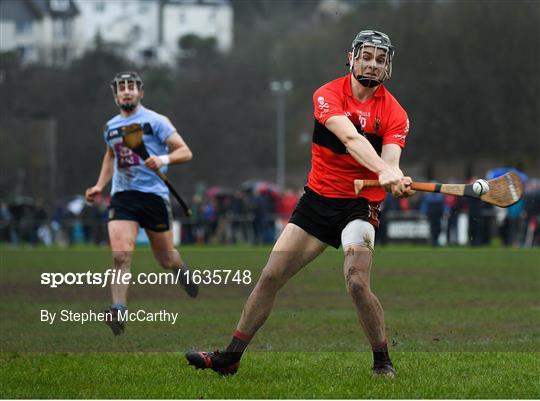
(47, 7)
(18, 10)
(34, 9)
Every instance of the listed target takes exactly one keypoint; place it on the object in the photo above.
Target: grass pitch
(462, 323)
(270, 375)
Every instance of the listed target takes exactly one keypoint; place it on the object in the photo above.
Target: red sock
(239, 342)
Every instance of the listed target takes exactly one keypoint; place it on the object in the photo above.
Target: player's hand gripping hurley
(503, 191)
(133, 139)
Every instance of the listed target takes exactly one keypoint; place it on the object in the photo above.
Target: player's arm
(105, 175)
(391, 154)
(362, 151)
(179, 153)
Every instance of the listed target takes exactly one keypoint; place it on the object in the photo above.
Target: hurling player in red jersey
(359, 132)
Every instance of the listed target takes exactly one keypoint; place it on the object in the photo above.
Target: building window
(136, 32)
(147, 55)
(62, 28)
(22, 51)
(26, 53)
(23, 27)
(99, 6)
(59, 5)
(143, 7)
(212, 16)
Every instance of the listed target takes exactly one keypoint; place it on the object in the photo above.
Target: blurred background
(236, 79)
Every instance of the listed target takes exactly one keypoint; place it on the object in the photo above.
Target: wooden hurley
(132, 136)
(504, 191)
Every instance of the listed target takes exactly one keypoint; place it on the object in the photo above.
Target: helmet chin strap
(364, 81)
(367, 82)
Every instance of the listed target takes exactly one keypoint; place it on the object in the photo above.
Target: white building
(206, 19)
(148, 31)
(130, 27)
(143, 31)
(46, 31)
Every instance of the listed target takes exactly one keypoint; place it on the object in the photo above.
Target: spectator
(513, 225)
(390, 204)
(532, 213)
(433, 207)
(7, 233)
(479, 228)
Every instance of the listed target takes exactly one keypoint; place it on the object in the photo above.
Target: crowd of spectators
(255, 213)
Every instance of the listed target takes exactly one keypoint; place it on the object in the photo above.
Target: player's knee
(271, 279)
(358, 287)
(122, 260)
(357, 281)
(357, 234)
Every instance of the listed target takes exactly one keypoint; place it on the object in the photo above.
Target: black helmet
(373, 39)
(126, 76)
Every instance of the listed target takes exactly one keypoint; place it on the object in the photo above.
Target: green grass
(475, 310)
(269, 375)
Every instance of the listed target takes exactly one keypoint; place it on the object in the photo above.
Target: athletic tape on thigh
(358, 232)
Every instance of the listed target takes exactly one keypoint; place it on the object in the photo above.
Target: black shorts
(325, 218)
(151, 211)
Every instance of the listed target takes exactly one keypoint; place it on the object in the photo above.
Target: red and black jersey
(380, 119)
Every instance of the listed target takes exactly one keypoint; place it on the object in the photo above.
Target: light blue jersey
(130, 173)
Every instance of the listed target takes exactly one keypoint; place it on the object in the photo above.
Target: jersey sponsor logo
(323, 106)
(114, 134)
(401, 137)
(125, 156)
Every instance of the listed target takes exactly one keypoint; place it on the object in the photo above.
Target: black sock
(380, 353)
(238, 345)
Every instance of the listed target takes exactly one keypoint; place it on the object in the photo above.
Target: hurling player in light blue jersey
(139, 196)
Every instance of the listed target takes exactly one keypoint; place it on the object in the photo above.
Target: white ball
(480, 187)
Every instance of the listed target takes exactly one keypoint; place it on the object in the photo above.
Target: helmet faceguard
(124, 79)
(381, 66)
